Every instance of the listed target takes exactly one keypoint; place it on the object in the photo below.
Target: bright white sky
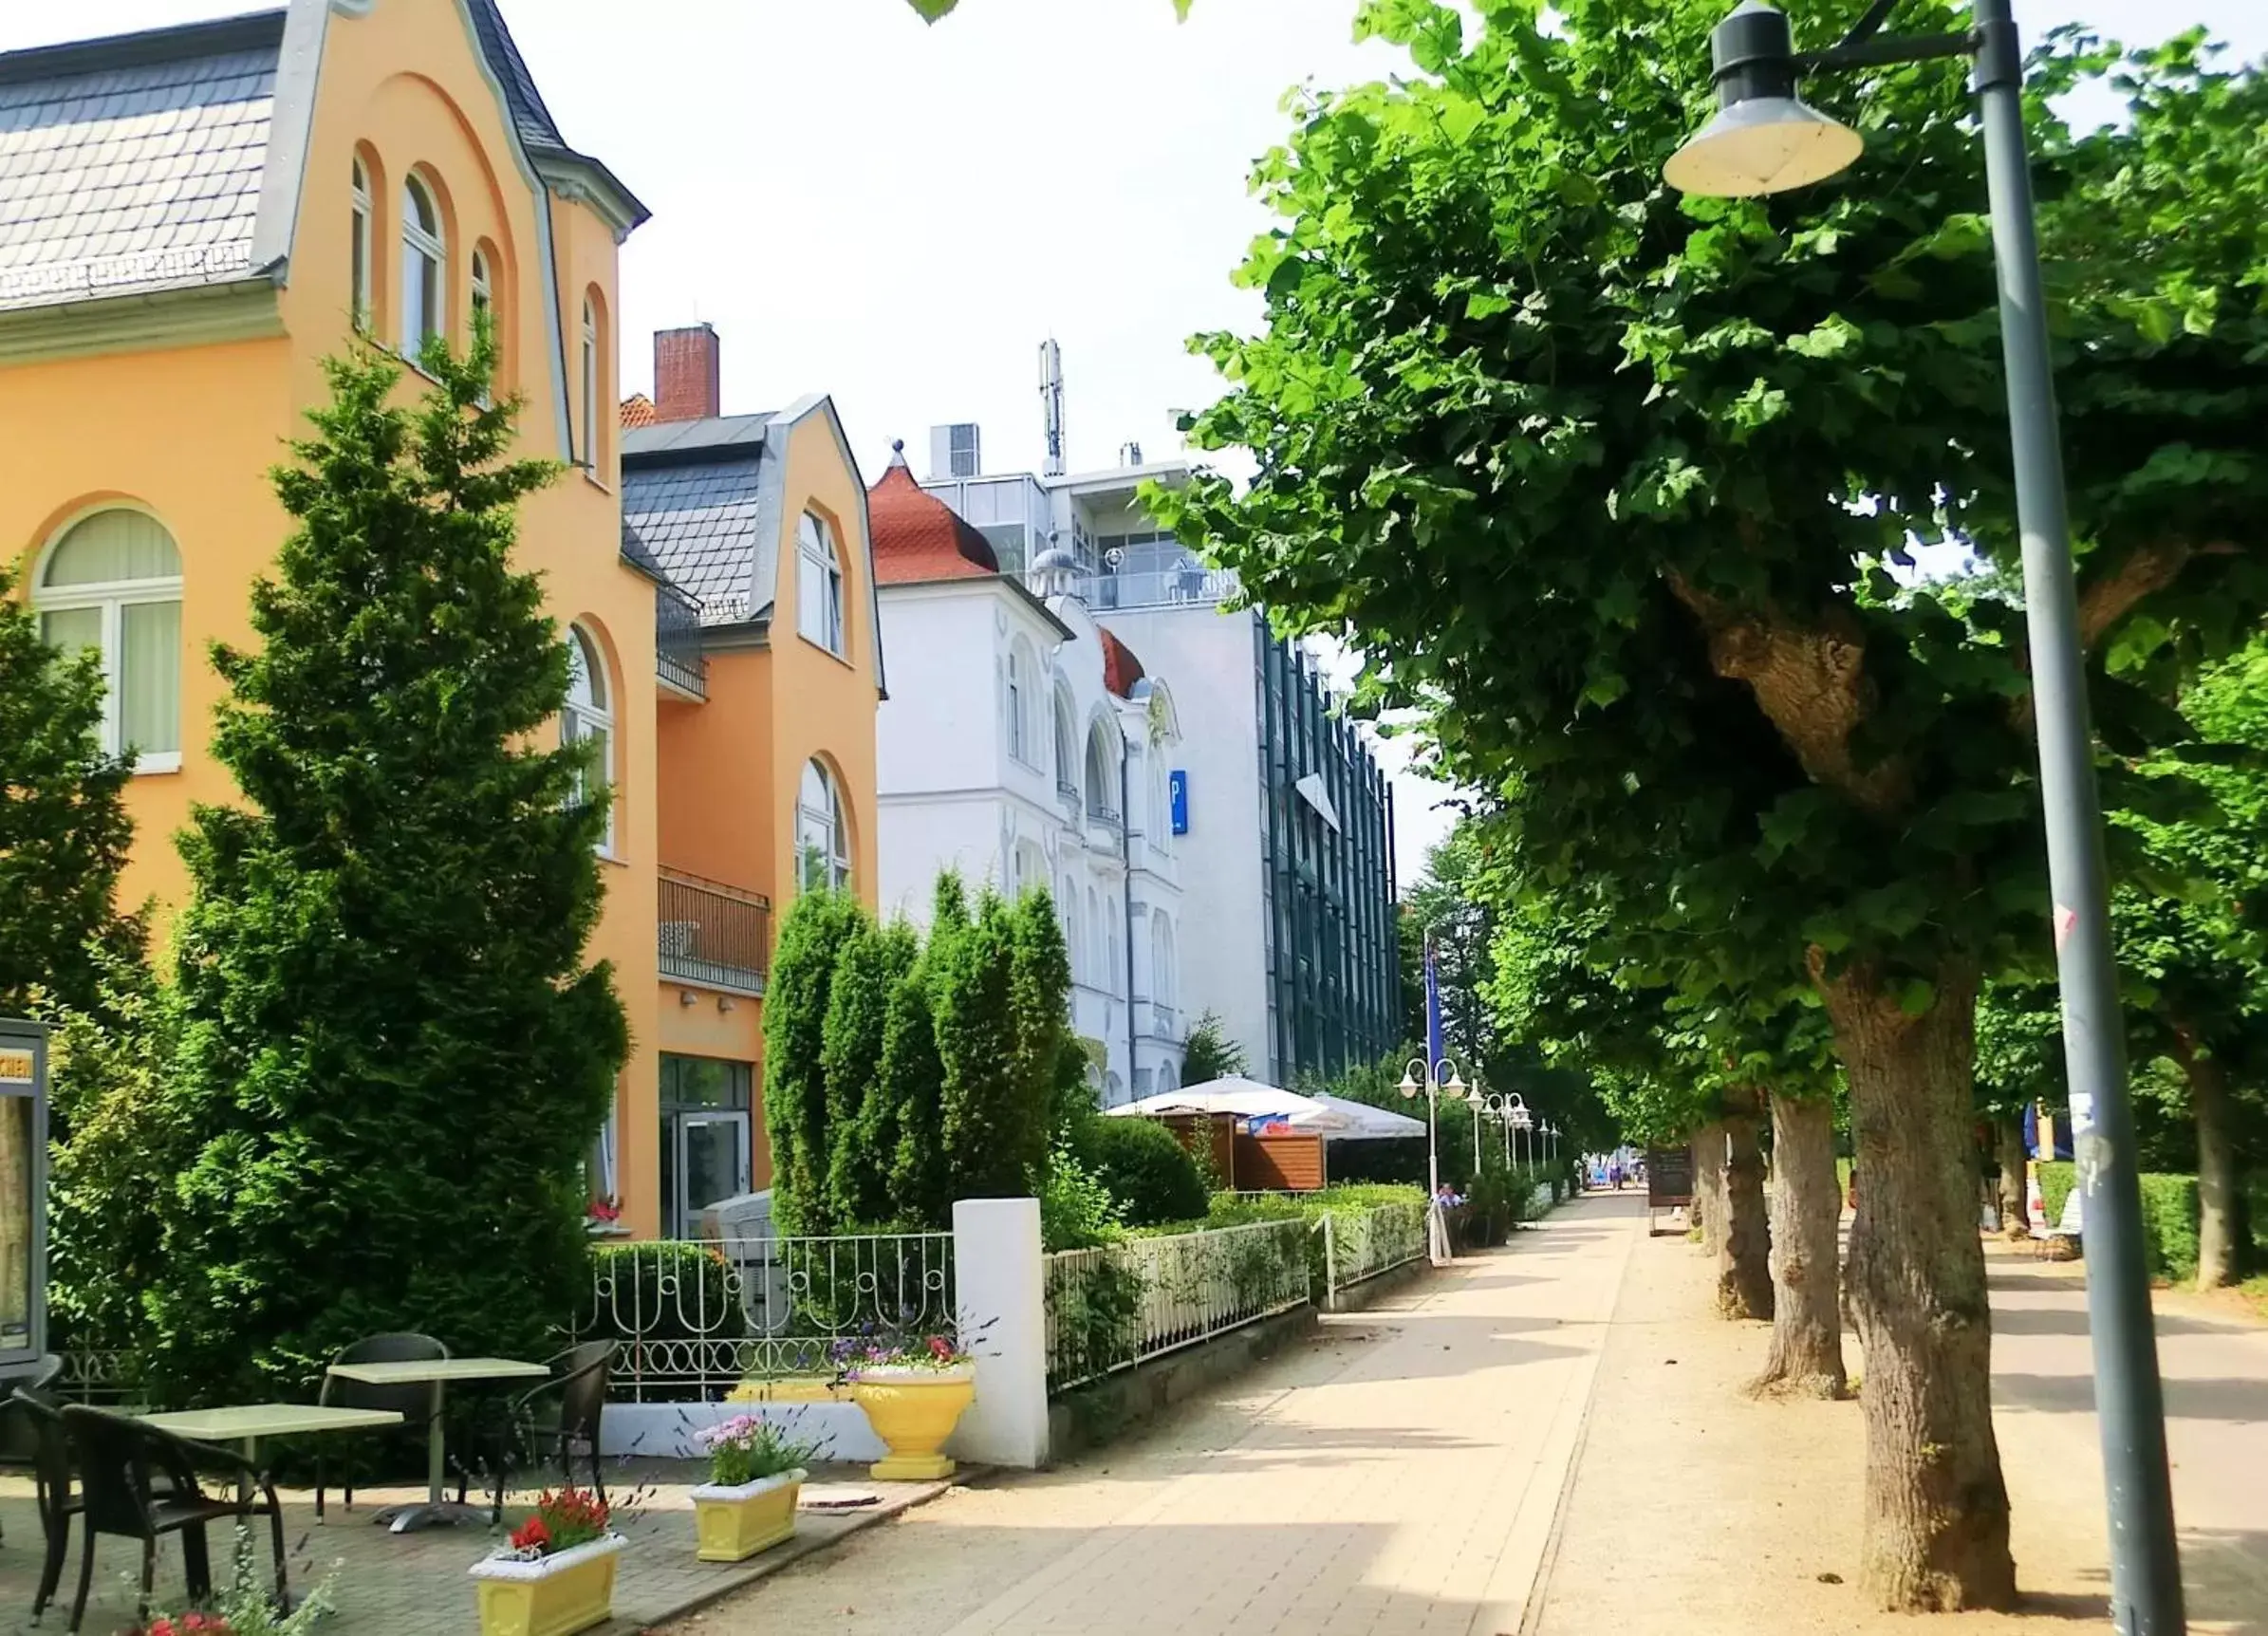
(897, 215)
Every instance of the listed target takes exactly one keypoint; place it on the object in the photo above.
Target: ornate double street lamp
(1765, 140)
(1509, 1108)
(1435, 1079)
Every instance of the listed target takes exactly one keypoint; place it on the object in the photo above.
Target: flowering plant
(562, 1521)
(854, 1354)
(245, 1608)
(189, 1625)
(607, 1212)
(748, 1449)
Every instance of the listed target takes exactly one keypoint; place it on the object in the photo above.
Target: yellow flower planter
(736, 1523)
(551, 1596)
(914, 1411)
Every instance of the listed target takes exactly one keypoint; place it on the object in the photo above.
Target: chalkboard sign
(1669, 1177)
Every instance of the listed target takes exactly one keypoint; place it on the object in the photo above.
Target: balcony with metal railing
(1104, 827)
(679, 661)
(1190, 584)
(715, 935)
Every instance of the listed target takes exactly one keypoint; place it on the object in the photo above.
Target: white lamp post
(1433, 1078)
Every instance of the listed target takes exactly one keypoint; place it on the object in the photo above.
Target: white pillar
(1002, 1308)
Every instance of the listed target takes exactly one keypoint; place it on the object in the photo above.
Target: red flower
(941, 1348)
(531, 1535)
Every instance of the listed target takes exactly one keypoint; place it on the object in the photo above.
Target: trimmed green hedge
(2169, 1215)
(1145, 1167)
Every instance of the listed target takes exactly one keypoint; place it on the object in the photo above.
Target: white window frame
(816, 552)
(484, 295)
(593, 716)
(423, 254)
(605, 1161)
(362, 249)
(834, 820)
(1020, 725)
(590, 391)
(112, 597)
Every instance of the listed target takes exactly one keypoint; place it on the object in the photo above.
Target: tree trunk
(1807, 1206)
(1744, 1247)
(2221, 1227)
(2015, 1216)
(1708, 1186)
(1936, 1517)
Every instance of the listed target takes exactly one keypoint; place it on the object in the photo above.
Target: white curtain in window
(113, 584)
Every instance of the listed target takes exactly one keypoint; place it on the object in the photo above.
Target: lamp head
(1408, 1086)
(1765, 139)
(1456, 1086)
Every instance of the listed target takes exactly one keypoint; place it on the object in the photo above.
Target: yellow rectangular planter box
(553, 1597)
(735, 1523)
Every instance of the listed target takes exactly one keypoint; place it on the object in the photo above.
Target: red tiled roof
(637, 410)
(1121, 669)
(916, 536)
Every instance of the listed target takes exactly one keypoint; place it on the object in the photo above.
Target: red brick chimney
(686, 385)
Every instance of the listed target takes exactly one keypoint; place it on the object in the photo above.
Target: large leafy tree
(393, 1052)
(1619, 487)
(64, 830)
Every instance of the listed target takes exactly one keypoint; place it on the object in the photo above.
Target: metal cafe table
(247, 1424)
(436, 1372)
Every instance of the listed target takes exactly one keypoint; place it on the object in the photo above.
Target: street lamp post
(1764, 139)
(1433, 1078)
(1508, 1107)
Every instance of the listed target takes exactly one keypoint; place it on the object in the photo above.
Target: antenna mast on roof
(1050, 399)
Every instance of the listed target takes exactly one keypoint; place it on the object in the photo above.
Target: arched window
(484, 289)
(1019, 704)
(822, 832)
(818, 585)
(1067, 750)
(1118, 947)
(424, 283)
(1101, 778)
(588, 718)
(1164, 975)
(359, 247)
(592, 430)
(1098, 958)
(1074, 937)
(113, 583)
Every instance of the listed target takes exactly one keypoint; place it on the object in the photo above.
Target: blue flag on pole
(1435, 1047)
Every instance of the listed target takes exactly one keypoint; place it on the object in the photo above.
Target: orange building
(190, 220)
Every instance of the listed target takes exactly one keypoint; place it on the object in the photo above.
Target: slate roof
(134, 163)
(918, 537)
(691, 507)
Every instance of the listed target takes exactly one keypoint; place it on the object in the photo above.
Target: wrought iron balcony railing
(715, 935)
(678, 660)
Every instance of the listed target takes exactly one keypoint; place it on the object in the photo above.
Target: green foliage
(122, 1143)
(813, 934)
(999, 1078)
(863, 1120)
(667, 1290)
(2169, 1215)
(1209, 1053)
(1077, 1209)
(392, 1056)
(913, 1079)
(1144, 1167)
(64, 830)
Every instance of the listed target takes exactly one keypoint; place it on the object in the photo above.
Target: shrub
(2057, 1180)
(1147, 1171)
(2169, 1215)
(1076, 1211)
(663, 1290)
(1209, 1053)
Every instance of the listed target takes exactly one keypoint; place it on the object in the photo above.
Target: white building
(1286, 846)
(1022, 744)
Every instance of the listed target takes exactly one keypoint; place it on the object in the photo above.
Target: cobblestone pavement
(414, 1584)
(1397, 1475)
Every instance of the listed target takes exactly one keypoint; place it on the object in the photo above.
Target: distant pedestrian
(1614, 1176)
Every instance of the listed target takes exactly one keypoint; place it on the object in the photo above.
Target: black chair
(51, 1474)
(19, 1437)
(417, 1405)
(140, 1483)
(552, 1417)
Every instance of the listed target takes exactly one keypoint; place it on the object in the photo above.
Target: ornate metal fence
(106, 1378)
(1360, 1244)
(1118, 1305)
(693, 1319)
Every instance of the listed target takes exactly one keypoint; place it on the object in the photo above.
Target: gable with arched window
(112, 583)
(424, 267)
(588, 718)
(822, 832)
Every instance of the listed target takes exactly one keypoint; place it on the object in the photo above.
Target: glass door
(713, 1165)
